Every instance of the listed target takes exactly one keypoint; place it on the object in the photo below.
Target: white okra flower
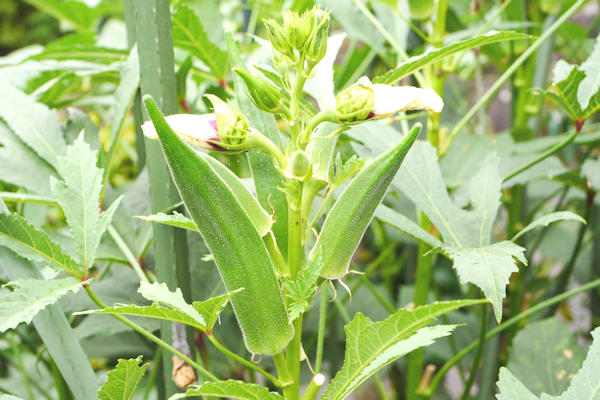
(365, 100)
(198, 130)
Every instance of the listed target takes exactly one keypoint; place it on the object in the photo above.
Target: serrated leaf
(551, 344)
(488, 267)
(30, 296)
(577, 88)
(435, 54)
(160, 293)
(123, 380)
(547, 220)
(176, 219)
(43, 134)
(372, 345)
(300, 291)
(584, 385)
(189, 34)
(406, 225)
(34, 244)
(211, 308)
(78, 194)
(230, 389)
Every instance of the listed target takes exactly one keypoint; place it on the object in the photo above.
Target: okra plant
(309, 177)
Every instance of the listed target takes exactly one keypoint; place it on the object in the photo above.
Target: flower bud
(263, 94)
(421, 9)
(298, 28)
(317, 45)
(354, 103)
(232, 125)
(197, 130)
(277, 37)
(299, 164)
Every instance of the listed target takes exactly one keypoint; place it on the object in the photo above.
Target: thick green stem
(151, 337)
(480, 346)
(282, 370)
(313, 387)
(321, 332)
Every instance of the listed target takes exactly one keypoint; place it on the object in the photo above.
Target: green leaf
(43, 133)
(591, 170)
(511, 388)
(551, 344)
(30, 296)
(231, 390)
(80, 46)
(301, 290)
(350, 216)
(79, 197)
(547, 220)
(160, 293)
(371, 346)
(577, 88)
(189, 35)
(584, 385)
(488, 267)
(231, 237)
(21, 166)
(434, 54)
(123, 380)
(76, 13)
(406, 225)
(211, 308)
(34, 244)
(267, 179)
(176, 219)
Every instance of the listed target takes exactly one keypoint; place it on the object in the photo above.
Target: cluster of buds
(365, 100)
(300, 34)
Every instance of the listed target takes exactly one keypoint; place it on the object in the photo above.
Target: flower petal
(195, 129)
(392, 99)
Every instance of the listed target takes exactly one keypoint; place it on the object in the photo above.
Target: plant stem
(480, 346)
(150, 336)
(321, 332)
(437, 379)
(282, 369)
(322, 116)
(552, 150)
(19, 360)
(127, 253)
(313, 387)
(243, 361)
(492, 90)
(153, 373)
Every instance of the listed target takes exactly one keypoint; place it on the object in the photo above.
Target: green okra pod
(237, 247)
(349, 218)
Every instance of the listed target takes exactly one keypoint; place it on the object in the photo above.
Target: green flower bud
(355, 103)
(232, 125)
(263, 94)
(298, 29)
(317, 45)
(421, 9)
(299, 164)
(277, 37)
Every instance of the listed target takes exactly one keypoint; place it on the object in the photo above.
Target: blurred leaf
(80, 46)
(488, 267)
(30, 296)
(42, 133)
(551, 344)
(123, 380)
(584, 384)
(371, 346)
(79, 196)
(34, 244)
(176, 219)
(189, 35)
(406, 225)
(160, 293)
(417, 62)
(547, 220)
(591, 170)
(229, 389)
(75, 13)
